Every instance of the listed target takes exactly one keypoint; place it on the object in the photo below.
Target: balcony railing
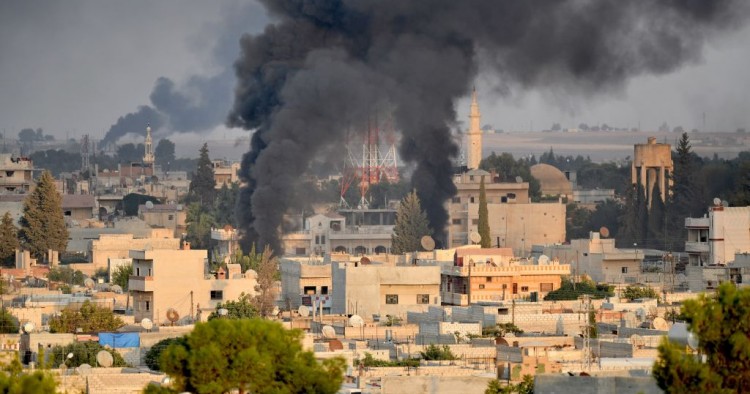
(696, 247)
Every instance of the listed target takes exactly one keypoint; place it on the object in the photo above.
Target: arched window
(380, 249)
(340, 249)
(360, 250)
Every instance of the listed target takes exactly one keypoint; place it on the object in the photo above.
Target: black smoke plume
(322, 65)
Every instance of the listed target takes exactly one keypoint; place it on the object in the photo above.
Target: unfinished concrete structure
(16, 174)
(651, 166)
(599, 259)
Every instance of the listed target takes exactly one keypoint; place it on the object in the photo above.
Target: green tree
(8, 240)
(268, 274)
(121, 276)
(224, 205)
(217, 356)
(635, 292)
(164, 153)
(88, 318)
(83, 353)
(433, 352)
(203, 184)
(199, 224)
(14, 380)
(130, 153)
(526, 386)
(8, 322)
(243, 308)
(154, 353)
(66, 275)
(42, 223)
(570, 291)
(720, 324)
(411, 225)
(484, 219)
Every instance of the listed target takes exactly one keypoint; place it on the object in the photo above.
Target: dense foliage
(83, 353)
(13, 379)
(526, 386)
(88, 318)
(154, 353)
(369, 361)
(66, 275)
(434, 352)
(411, 225)
(8, 322)
(131, 202)
(42, 224)
(8, 240)
(508, 168)
(203, 184)
(243, 308)
(216, 358)
(501, 330)
(720, 323)
(121, 276)
(571, 291)
(635, 292)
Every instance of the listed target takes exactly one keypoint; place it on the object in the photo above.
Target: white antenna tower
(586, 351)
(85, 154)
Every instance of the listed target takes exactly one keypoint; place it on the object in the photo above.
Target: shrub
(433, 352)
(570, 291)
(635, 292)
(152, 356)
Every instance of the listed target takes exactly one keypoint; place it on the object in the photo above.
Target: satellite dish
(692, 341)
(116, 288)
(303, 311)
(725, 203)
(543, 260)
(717, 201)
(604, 232)
(84, 369)
(149, 204)
(147, 324)
(104, 358)
(28, 327)
(89, 283)
(660, 324)
(328, 332)
(356, 321)
(519, 179)
(335, 344)
(172, 315)
(637, 340)
(679, 333)
(427, 243)
(475, 238)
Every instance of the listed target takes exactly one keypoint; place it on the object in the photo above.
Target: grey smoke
(322, 65)
(201, 102)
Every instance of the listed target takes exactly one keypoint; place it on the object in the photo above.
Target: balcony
(141, 283)
(696, 247)
(697, 222)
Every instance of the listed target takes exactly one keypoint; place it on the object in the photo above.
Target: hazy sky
(74, 67)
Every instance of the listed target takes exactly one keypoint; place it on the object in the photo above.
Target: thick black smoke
(322, 65)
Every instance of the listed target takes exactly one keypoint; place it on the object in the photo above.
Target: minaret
(148, 156)
(474, 154)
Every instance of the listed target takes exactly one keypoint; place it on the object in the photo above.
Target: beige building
(353, 231)
(226, 241)
(474, 135)
(78, 206)
(598, 258)
(515, 222)
(384, 288)
(118, 246)
(651, 166)
(302, 279)
(170, 216)
(225, 173)
(16, 174)
(166, 282)
(552, 181)
(493, 274)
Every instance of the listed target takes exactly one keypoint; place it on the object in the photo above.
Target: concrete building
(177, 281)
(118, 246)
(225, 173)
(226, 241)
(515, 222)
(487, 275)
(598, 258)
(552, 181)
(354, 231)
(384, 289)
(16, 174)
(474, 135)
(651, 166)
(170, 216)
(303, 279)
(712, 242)
(78, 207)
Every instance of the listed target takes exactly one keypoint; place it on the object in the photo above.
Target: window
(148, 305)
(299, 251)
(323, 289)
(170, 217)
(545, 287)
(488, 279)
(217, 295)
(317, 240)
(423, 298)
(511, 196)
(524, 288)
(137, 271)
(456, 200)
(322, 239)
(505, 286)
(475, 222)
(456, 221)
(471, 178)
(308, 290)
(624, 270)
(391, 299)
(471, 200)
(481, 287)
